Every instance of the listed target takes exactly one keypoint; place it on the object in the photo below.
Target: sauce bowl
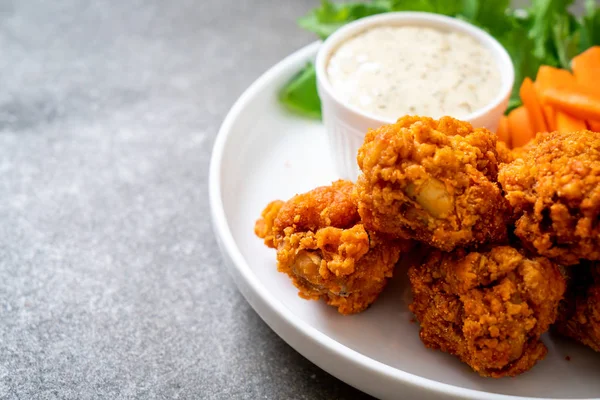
(346, 125)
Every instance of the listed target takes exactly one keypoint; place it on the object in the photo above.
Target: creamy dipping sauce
(391, 71)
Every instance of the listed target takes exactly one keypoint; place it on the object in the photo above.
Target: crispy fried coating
(554, 190)
(433, 181)
(579, 312)
(507, 155)
(264, 226)
(326, 251)
(488, 308)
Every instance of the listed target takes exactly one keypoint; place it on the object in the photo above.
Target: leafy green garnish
(300, 94)
(545, 15)
(489, 15)
(329, 17)
(444, 7)
(521, 54)
(590, 26)
(544, 34)
(566, 39)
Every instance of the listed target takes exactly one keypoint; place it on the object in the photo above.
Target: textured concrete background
(111, 282)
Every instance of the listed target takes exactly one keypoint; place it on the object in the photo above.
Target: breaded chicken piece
(579, 313)
(326, 251)
(488, 309)
(554, 190)
(507, 155)
(433, 181)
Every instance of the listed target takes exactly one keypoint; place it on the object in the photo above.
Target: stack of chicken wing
(504, 241)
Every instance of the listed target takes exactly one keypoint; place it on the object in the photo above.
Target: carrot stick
(586, 68)
(533, 106)
(503, 131)
(594, 125)
(519, 125)
(549, 77)
(550, 117)
(568, 123)
(573, 99)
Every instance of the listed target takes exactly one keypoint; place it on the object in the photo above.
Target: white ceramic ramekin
(346, 125)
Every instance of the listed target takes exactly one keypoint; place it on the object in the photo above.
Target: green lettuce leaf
(566, 38)
(590, 26)
(520, 49)
(545, 14)
(491, 16)
(444, 7)
(300, 95)
(327, 18)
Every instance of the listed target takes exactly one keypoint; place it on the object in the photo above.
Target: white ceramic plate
(264, 153)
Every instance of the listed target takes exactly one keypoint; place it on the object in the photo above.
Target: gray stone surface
(111, 283)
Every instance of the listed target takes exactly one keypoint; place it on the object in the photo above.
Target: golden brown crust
(554, 189)
(489, 308)
(323, 206)
(431, 180)
(324, 249)
(579, 313)
(507, 155)
(264, 226)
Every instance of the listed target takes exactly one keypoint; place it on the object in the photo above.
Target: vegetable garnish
(300, 93)
(557, 100)
(520, 127)
(546, 33)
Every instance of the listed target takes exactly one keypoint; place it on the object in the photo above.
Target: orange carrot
(533, 106)
(548, 77)
(568, 123)
(594, 125)
(519, 125)
(586, 68)
(551, 77)
(503, 132)
(549, 114)
(573, 99)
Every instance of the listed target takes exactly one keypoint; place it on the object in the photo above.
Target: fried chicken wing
(487, 308)
(554, 189)
(579, 313)
(433, 181)
(326, 251)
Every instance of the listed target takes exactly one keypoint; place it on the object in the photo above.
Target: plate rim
(229, 245)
